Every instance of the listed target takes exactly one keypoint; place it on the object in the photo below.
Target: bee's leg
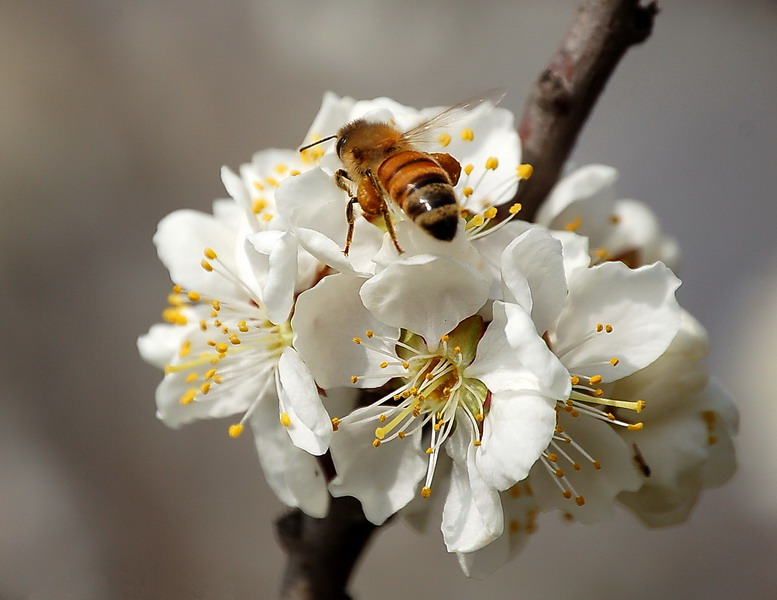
(351, 218)
(449, 164)
(342, 180)
(379, 201)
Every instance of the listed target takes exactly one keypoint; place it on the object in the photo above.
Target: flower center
(429, 392)
(234, 345)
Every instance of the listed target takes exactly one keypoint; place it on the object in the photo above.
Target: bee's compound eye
(340, 144)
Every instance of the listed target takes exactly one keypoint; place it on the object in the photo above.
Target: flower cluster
(514, 369)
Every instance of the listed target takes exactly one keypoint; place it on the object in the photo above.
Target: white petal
(161, 343)
(638, 303)
(428, 295)
(534, 259)
(516, 430)
(181, 238)
(332, 115)
(472, 516)
(384, 479)
(585, 197)
(326, 319)
(294, 475)
(512, 357)
(310, 427)
(278, 251)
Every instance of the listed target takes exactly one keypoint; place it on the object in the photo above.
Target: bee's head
(363, 145)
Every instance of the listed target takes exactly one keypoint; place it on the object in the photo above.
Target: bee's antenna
(322, 140)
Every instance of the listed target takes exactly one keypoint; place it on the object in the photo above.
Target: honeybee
(382, 163)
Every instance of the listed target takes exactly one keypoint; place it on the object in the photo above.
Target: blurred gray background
(112, 114)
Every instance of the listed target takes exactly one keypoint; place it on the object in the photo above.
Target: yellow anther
(185, 349)
(191, 378)
(576, 466)
(614, 362)
(552, 457)
(479, 417)
(575, 379)
(595, 379)
(205, 388)
(401, 435)
(210, 373)
(640, 406)
(335, 423)
(258, 185)
(468, 169)
(383, 365)
(476, 442)
(635, 426)
(217, 379)
(203, 325)
(445, 338)
(515, 208)
(559, 473)
(405, 365)
(258, 205)
(599, 327)
(369, 333)
(490, 213)
(492, 163)
(188, 396)
(426, 492)
(567, 494)
(524, 171)
(608, 328)
(382, 418)
(267, 217)
(242, 327)
(467, 135)
(467, 191)
(271, 181)
(429, 450)
(177, 289)
(444, 139)
(375, 443)
(235, 430)
(234, 340)
(209, 253)
(580, 500)
(280, 168)
(477, 221)
(216, 306)
(574, 225)
(357, 340)
(193, 296)
(285, 419)
(601, 253)
(294, 172)
(221, 347)
(354, 379)
(597, 465)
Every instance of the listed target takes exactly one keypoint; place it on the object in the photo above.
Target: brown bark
(567, 90)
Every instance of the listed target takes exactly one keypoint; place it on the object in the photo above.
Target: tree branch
(567, 90)
(323, 552)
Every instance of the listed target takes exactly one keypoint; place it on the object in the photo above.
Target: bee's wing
(424, 132)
